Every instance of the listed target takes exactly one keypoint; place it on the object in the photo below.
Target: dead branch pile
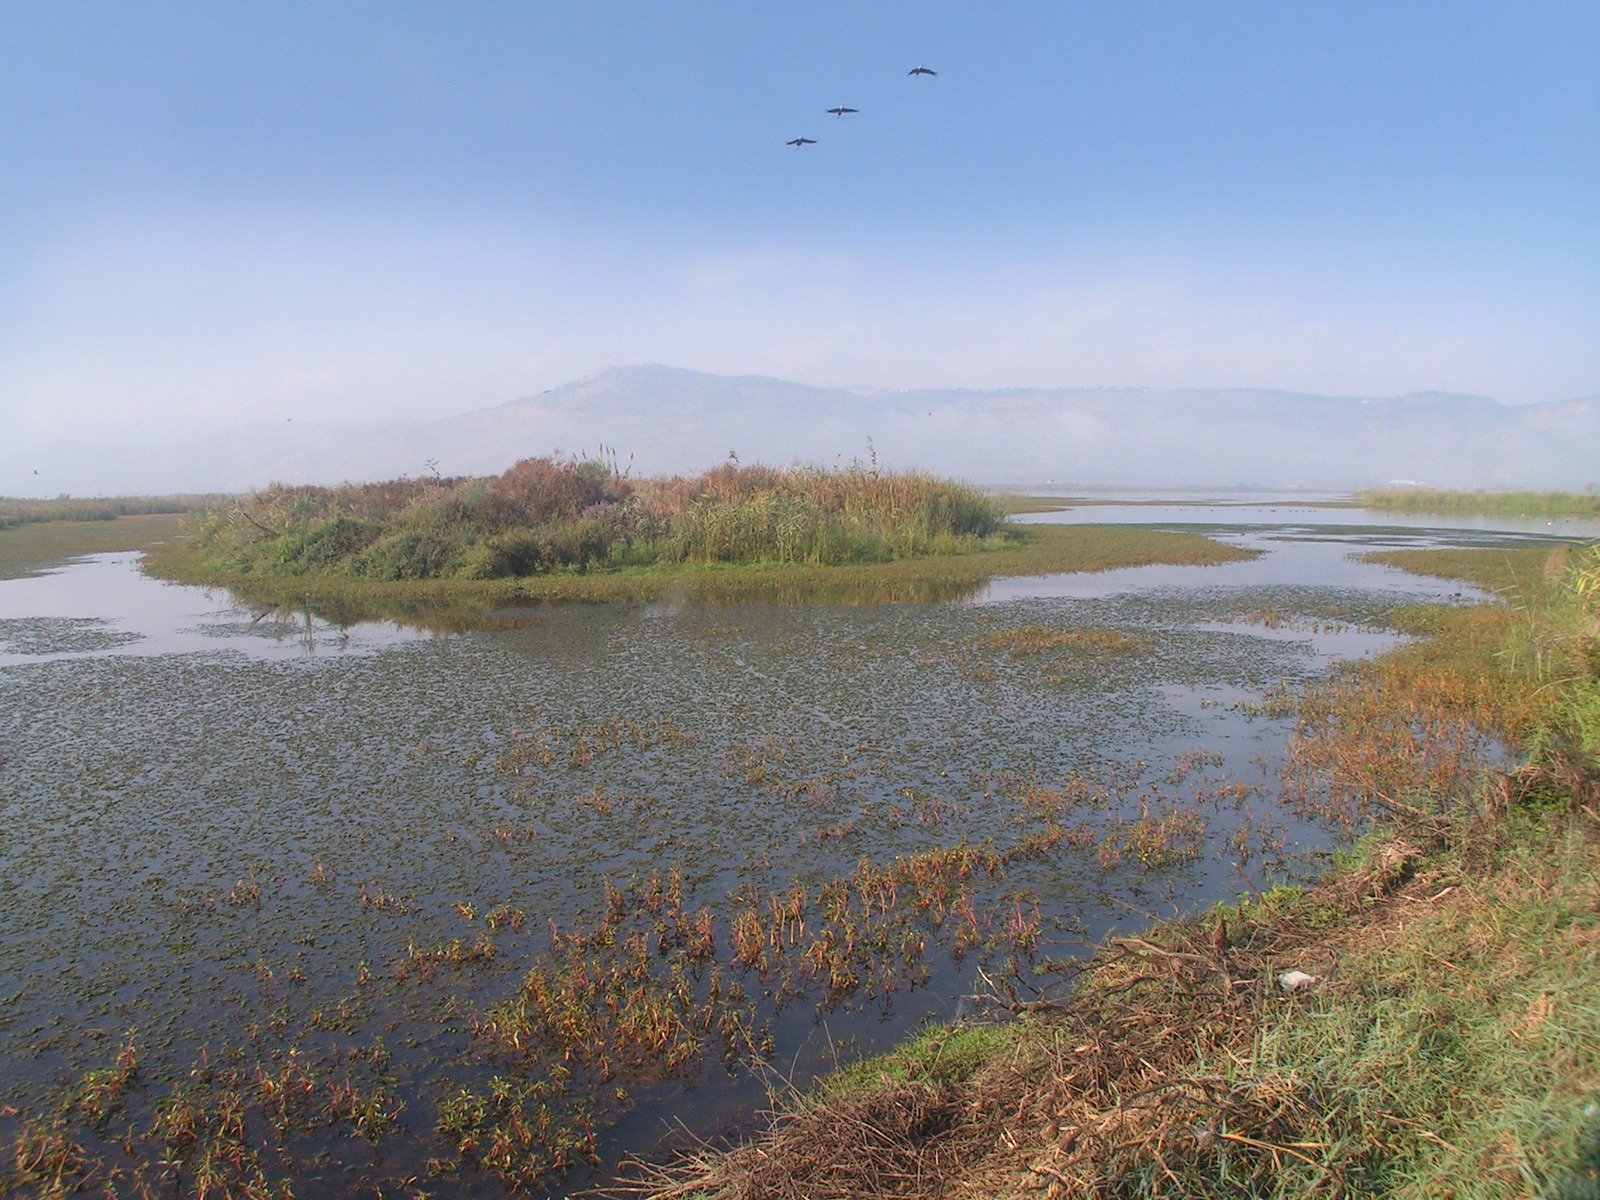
(902, 1140)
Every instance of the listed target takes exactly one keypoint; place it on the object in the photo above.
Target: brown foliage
(545, 489)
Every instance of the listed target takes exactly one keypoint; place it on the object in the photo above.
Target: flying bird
(921, 71)
(839, 112)
(801, 142)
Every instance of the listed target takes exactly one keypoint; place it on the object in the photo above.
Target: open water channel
(729, 841)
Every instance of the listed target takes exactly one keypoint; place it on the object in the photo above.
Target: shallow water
(231, 832)
(1285, 511)
(102, 604)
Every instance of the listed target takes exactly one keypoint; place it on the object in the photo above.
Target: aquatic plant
(512, 1130)
(545, 515)
(371, 852)
(1035, 639)
(1155, 841)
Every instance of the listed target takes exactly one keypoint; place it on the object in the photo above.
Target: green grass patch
(939, 1055)
(1511, 571)
(1532, 663)
(1521, 504)
(27, 549)
(1464, 1044)
(17, 511)
(1015, 504)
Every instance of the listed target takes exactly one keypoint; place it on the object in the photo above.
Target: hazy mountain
(667, 420)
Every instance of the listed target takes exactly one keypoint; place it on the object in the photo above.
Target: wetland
(299, 899)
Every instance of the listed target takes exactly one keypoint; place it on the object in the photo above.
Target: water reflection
(465, 615)
(104, 605)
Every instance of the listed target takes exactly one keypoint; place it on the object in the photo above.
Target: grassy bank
(1441, 1037)
(28, 548)
(1522, 504)
(450, 603)
(15, 511)
(1016, 503)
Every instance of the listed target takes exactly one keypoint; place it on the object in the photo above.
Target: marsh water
(247, 838)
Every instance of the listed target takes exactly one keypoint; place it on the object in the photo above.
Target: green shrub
(413, 554)
(327, 546)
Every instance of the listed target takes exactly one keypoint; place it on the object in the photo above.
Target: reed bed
(546, 515)
(1522, 504)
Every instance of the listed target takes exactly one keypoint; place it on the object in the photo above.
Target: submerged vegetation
(1425, 1022)
(1035, 639)
(532, 869)
(1521, 504)
(470, 915)
(446, 554)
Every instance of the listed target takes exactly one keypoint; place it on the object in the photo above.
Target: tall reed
(549, 515)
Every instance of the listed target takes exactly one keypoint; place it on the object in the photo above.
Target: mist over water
(662, 420)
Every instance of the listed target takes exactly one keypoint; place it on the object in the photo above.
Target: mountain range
(666, 420)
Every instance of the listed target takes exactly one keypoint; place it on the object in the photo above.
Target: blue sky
(223, 212)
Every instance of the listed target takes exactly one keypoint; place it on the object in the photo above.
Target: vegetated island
(1423, 1022)
(1521, 504)
(444, 549)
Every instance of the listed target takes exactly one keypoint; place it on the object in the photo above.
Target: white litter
(1297, 981)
